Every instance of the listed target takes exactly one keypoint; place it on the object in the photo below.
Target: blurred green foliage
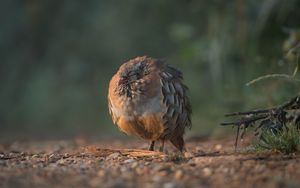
(57, 57)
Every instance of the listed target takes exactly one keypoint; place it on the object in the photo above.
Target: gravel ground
(83, 163)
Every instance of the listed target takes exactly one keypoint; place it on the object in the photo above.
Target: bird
(147, 99)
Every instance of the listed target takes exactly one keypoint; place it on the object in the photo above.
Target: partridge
(147, 99)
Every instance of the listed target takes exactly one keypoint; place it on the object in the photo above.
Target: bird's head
(130, 72)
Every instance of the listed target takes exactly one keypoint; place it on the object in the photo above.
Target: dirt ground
(83, 163)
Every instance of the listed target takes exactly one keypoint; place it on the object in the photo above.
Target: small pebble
(225, 170)
(129, 161)
(207, 172)
(61, 162)
(113, 156)
(66, 155)
(188, 155)
(218, 147)
(95, 182)
(178, 174)
(134, 165)
(169, 185)
(101, 173)
(157, 178)
(163, 173)
(35, 156)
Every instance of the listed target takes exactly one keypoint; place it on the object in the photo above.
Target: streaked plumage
(147, 99)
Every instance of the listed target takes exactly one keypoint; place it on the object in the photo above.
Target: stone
(218, 147)
(169, 185)
(113, 156)
(129, 161)
(178, 174)
(207, 172)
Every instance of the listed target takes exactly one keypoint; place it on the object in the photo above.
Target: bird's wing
(175, 99)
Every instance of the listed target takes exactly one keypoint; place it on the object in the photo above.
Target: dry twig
(276, 116)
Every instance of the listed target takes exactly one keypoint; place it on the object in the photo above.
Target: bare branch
(276, 116)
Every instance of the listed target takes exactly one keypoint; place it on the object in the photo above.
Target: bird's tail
(178, 142)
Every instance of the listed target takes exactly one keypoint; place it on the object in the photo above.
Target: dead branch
(265, 118)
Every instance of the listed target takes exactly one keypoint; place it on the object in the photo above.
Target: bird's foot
(151, 147)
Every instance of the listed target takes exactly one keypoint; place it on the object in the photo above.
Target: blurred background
(57, 57)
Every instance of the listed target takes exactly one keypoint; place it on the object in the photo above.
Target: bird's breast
(140, 116)
(137, 106)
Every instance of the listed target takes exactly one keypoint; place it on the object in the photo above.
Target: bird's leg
(151, 148)
(161, 149)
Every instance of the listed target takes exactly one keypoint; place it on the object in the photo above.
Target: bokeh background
(57, 57)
